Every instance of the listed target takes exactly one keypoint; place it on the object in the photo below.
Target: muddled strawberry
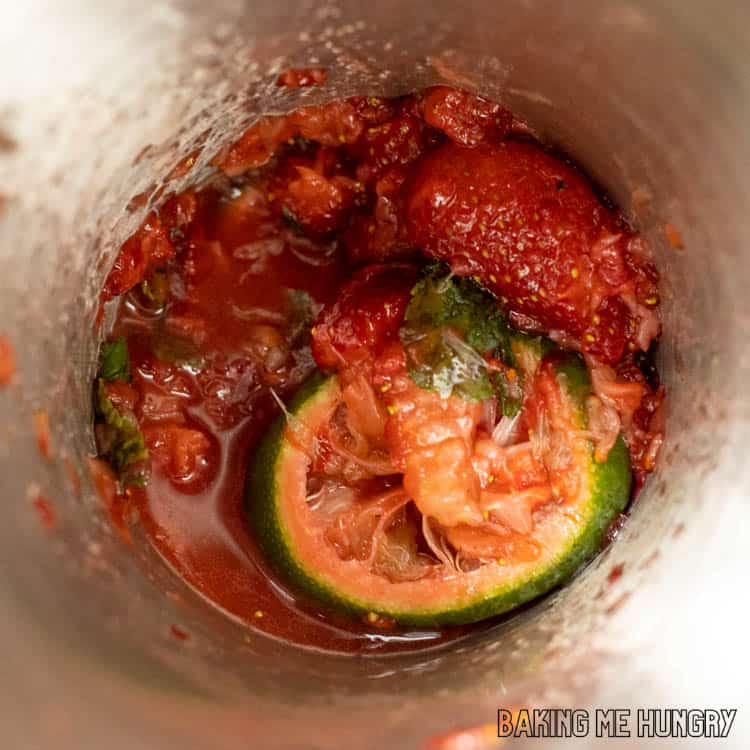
(532, 230)
(465, 118)
(366, 315)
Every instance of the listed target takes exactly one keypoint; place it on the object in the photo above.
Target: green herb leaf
(450, 324)
(441, 299)
(439, 360)
(291, 220)
(120, 440)
(114, 363)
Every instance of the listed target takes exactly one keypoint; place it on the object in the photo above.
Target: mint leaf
(439, 360)
(114, 363)
(119, 438)
(450, 324)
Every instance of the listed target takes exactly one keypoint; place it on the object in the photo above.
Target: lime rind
(609, 492)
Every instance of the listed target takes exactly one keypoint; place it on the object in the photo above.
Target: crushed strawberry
(147, 248)
(333, 124)
(533, 231)
(367, 314)
(397, 142)
(186, 454)
(465, 118)
(313, 194)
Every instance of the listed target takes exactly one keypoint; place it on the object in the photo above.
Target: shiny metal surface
(652, 98)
